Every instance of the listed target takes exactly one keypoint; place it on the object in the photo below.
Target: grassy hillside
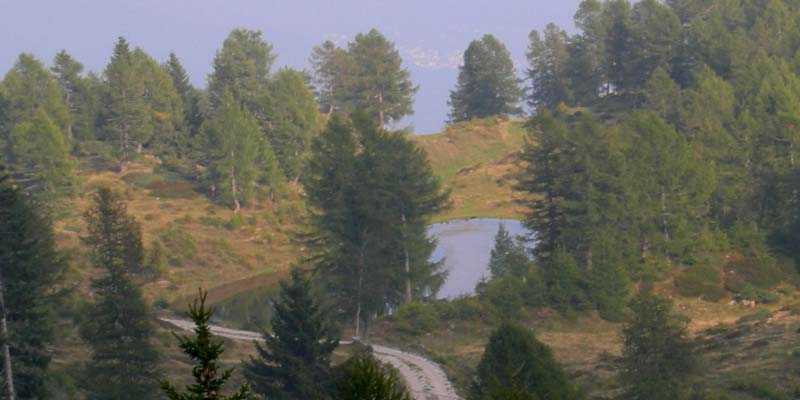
(476, 161)
(746, 353)
(206, 244)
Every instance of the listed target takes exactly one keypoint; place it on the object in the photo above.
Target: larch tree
(548, 60)
(487, 82)
(164, 106)
(380, 86)
(29, 87)
(332, 66)
(294, 362)
(127, 117)
(40, 153)
(239, 157)
(30, 267)
(294, 121)
(118, 327)
(241, 68)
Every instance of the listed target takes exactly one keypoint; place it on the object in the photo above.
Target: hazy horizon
(430, 37)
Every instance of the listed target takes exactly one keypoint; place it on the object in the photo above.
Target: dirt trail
(424, 378)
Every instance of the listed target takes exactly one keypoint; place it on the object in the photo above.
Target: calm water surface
(466, 246)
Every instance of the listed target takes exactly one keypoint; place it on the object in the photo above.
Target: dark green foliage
(363, 377)
(294, 361)
(516, 364)
(658, 360)
(508, 256)
(118, 327)
(80, 94)
(374, 203)
(548, 58)
(30, 267)
(205, 351)
(190, 96)
(487, 82)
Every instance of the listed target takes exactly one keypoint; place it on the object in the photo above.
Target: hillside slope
(476, 160)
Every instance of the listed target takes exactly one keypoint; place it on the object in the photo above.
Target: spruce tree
(203, 349)
(362, 377)
(118, 327)
(657, 358)
(516, 364)
(190, 96)
(30, 267)
(487, 82)
(294, 362)
(508, 256)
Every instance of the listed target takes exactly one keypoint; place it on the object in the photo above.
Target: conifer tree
(118, 327)
(294, 121)
(30, 267)
(515, 363)
(205, 351)
(190, 96)
(241, 68)
(40, 153)
(379, 86)
(77, 96)
(294, 362)
(508, 256)
(362, 377)
(487, 82)
(548, 60)
(238, 156)
(657, 359)
(29, 87)
(126, 116)
(332, 67)
(164, 106)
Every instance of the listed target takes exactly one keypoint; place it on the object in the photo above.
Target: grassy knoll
(476, 160)
(746, 353)
(206, 245)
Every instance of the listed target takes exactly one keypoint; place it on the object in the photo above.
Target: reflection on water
(466, 246)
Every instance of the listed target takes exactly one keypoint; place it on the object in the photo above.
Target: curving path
(425, 379)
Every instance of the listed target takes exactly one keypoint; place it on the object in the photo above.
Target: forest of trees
(661, 135)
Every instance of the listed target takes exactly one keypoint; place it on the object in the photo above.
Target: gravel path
(424, 378)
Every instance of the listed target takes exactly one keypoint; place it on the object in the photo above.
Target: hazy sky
(431, 34)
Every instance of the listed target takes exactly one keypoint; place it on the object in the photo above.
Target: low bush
(700, 281)
(181, 246)
(416, 318)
